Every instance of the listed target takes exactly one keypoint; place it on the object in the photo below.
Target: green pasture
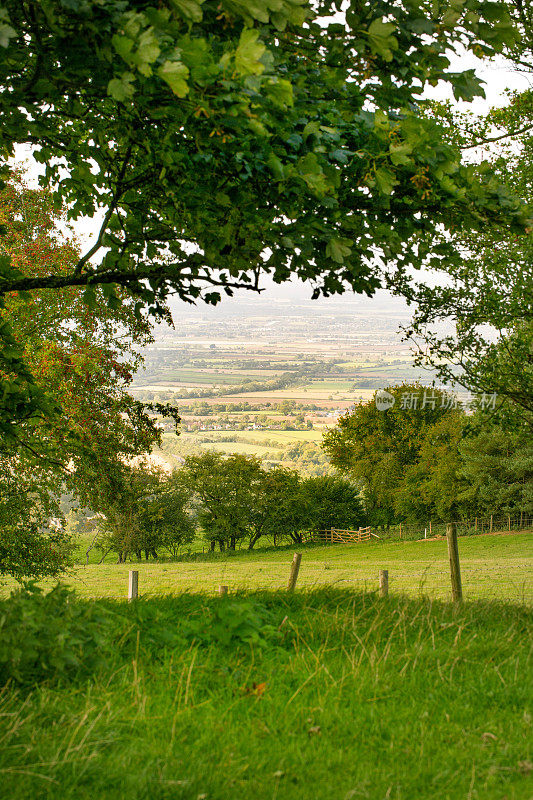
(244, 448)
(492, 567)
(272, 435)
(324, 695)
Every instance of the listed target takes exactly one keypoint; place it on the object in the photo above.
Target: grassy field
(492, 567)
(245, 448)
(325, 695)
(278, 437)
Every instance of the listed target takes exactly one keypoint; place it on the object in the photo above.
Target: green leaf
(248, 53)
(175, 74)
(400, 153)
(257, 127)
(147, 51)
(451, 17)
(280, 92)
(276, 167)
(385, 180)
(188, 9)
(338, 249)
(123, 45)
(382, 42)
(466, 85)
(121, 89)
(311, 129)
(6, 33)
(89, 297)
(381, 120)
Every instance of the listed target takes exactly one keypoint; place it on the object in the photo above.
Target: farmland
(272, 379)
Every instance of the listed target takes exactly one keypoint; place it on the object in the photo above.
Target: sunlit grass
(357, 697)
(491, 566)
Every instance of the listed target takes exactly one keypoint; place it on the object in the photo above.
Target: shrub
(51, 636)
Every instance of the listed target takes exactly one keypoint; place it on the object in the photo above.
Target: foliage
(488, 295)
(84, 359)
(497, 471)
(334, 503)
(240, 500)
(281, 509)
(226, 490)
(233, 623)
(51, 637)
(220, 141)
(144, 508)
(432, 487)
(30, 544)
(378, 448)
(420, 464)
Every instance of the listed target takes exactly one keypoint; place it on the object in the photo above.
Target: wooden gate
(340, 535)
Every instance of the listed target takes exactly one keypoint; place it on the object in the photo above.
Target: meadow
(324, 695)
(492, 567)
(331, 692)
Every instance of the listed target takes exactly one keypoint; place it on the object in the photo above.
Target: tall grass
(323, 694)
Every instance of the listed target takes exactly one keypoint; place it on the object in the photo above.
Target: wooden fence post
(222, 590)
(490, 529)
(384, 582)
(453, 554)
(509, 523)
(295, 568)
(430, 529)
(133, 585)
(400, 530)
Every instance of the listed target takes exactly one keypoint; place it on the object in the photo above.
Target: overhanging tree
(224, 139)
(221, 140)
(488, 293)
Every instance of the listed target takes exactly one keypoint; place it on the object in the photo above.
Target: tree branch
(112, 206)
(489, 140)
(121, 277)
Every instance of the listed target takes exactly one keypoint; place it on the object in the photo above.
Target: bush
(234, 623)
(51, 636)
(56, 638)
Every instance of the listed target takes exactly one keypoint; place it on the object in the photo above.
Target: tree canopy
(81, 362)
(488, 293)
(221, 140)
(389, 452)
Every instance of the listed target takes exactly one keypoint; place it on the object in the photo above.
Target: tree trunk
(253, 541)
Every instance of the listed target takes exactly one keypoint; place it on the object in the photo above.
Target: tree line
(426, 458)
(228, 502)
